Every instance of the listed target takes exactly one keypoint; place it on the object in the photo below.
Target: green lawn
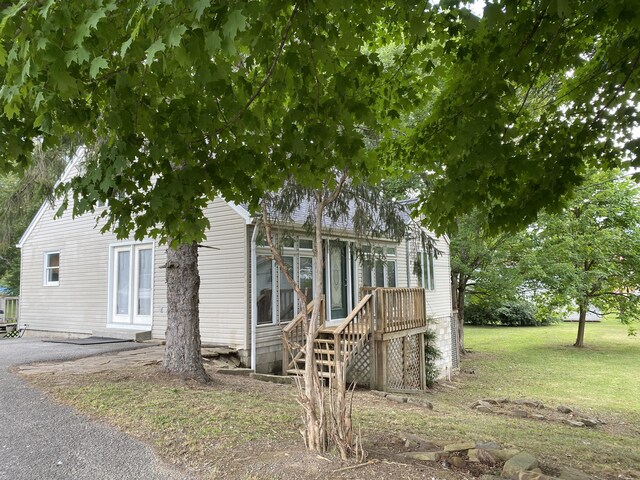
(541, 362)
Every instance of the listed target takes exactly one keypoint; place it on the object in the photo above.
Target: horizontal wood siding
(223, 277)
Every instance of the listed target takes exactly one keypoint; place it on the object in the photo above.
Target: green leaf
(212, 42)
(3, 56)
(157, 46)
(95, 17)
(97, 64)
(199, 6)
(175, 35)
(39, 100)
(234, 24)
(125, 46)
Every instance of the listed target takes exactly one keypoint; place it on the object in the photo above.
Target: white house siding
(438, 303)
(79, 303)
(223, 280)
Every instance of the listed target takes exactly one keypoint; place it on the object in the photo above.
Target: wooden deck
(381, 342)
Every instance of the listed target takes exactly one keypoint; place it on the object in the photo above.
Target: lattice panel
(360, 369)
(404, 371)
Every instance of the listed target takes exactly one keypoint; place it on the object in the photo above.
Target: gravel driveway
(40, 439)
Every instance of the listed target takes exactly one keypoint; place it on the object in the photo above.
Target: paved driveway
(41, 440)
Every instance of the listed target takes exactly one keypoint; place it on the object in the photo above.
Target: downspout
(254, 298)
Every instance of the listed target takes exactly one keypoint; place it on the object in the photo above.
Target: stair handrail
(294, 338)
(351, 334)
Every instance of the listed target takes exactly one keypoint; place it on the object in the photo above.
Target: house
(77, 281)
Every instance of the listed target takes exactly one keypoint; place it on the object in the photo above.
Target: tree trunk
(581, 324)
(182, 353)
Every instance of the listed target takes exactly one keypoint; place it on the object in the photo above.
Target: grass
(238, 416)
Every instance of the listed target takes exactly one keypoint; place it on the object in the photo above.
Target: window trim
(47, 268)
(427, 277)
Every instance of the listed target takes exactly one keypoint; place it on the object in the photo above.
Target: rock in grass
(397, 398)
(537, 416)
(519, 413)
(504, 454)
(564, 409)
(567, 473)
(519, 463)
(459, 447)
(573, 423)
(423, 456)
(484, 409)
(458, 462)
(589, 422)
(533, 476)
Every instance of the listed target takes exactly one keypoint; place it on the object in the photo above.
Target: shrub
(511, 314)
(431, 354)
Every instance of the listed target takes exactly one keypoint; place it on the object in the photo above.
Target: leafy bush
(510, 314)
(431, 354)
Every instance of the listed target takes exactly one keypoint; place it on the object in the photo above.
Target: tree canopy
(182, 101)
(532, 93)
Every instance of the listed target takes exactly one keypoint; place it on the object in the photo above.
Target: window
(277, 301)
(52, 269)
(424, 269)
(380, 273)
(264, 286)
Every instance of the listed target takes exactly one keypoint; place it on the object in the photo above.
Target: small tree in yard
(481, 265)
(589, 254)
(328, 419)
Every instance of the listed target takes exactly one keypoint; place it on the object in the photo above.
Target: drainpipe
(254, 297)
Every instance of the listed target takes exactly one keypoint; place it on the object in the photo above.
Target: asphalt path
(42, 440)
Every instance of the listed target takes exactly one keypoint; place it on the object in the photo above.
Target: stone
(459, 447)
(533, 475)
(568, 473)
(486, 457)
(537, 416)
(503, 400)
(519, 463)
(420, 401)
(519, 413)
(490, 401)
(410, 444)
(472, 456)
(397, 398)
(590, 422)
(483, 409)
(528, 403)
(486, 476)
(504, 454)
(423, 456)
(458, 462)
(573, 423)
(564, 409)
(425, 445)
(488, 445)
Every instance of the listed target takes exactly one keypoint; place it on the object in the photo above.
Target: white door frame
(131, 319)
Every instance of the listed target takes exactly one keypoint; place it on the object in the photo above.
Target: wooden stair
(349, 337)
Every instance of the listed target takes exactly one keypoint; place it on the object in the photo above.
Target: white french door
(132, 285)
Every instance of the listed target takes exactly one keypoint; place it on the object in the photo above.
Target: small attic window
(52, 269)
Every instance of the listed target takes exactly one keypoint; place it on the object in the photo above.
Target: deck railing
(350, 336)
(11, 309)
(398, 309)
(294, 337)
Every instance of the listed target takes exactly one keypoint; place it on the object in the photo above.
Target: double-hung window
(52, 269)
